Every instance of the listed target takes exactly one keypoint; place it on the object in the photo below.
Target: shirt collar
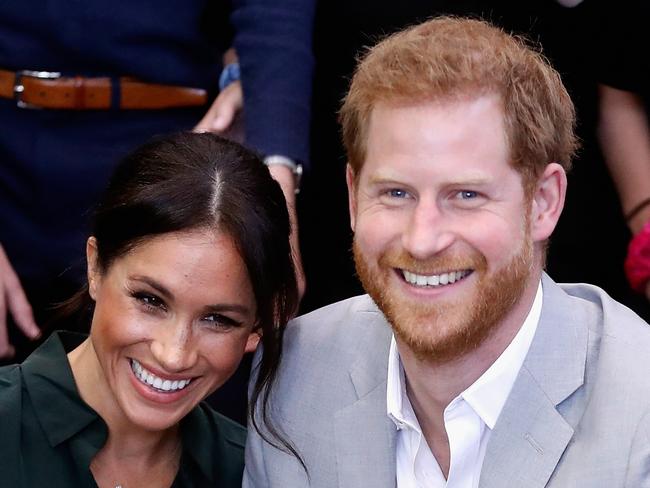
(487, 395)
(49, 381)
(399, 411)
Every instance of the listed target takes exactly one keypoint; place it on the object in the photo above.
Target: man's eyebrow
(153, 284)
(381, 178)
(472, 179)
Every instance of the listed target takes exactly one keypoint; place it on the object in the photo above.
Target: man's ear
(547, 202)
(350, 178)
(93, 272)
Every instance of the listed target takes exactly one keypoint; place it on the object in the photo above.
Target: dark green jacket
(48, 435)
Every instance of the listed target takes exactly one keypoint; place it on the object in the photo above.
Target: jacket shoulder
(339, 325)
(323, 348)
(607, 317)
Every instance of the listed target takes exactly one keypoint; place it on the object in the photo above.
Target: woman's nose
(174, 347)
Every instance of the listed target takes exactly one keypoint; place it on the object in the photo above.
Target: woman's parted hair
(189, 181)
(450, 58)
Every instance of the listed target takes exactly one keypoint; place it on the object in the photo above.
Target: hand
(284, 176)
(13, 300)
(219, 118)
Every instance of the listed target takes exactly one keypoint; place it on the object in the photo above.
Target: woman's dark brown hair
(191, 181)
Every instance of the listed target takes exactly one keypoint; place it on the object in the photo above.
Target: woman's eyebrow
(229, 307)
(153, 284)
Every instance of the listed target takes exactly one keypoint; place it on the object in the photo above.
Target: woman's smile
(156, 382)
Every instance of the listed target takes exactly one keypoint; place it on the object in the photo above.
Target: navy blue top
(55, 163)
(178, 42)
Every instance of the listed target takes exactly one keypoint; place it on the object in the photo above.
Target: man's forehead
(392, 173)
(447, 118)
(475, 123)
(441, 102)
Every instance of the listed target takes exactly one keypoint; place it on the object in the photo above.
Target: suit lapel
(365, 436)
(365, 442)
(530, 434)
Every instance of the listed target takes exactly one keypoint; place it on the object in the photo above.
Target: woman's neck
(121, 462)
(130, 453)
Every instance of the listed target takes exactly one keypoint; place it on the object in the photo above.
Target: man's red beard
(446, 329)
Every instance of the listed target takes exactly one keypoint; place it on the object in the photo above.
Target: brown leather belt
(45, 89)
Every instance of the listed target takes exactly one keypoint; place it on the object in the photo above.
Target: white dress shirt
(469, 418)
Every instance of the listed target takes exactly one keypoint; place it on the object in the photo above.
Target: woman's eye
(150, 301)
(221, 321)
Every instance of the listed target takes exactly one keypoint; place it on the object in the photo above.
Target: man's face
(441, 221)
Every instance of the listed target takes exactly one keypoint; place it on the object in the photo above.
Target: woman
(189, 265)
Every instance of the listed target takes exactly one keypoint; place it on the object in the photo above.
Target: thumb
(223, 118)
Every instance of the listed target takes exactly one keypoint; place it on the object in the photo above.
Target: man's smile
(441, 279)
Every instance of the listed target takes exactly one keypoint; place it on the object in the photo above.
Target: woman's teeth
(150, 379)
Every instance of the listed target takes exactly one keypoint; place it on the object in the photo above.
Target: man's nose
(428, 231)
(174, 347)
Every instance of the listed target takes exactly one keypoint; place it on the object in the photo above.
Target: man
(466, 366)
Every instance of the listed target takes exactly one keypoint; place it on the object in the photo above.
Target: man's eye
(397, 193)
(467, 194)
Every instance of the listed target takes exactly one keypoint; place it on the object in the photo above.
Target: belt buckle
(19, 88)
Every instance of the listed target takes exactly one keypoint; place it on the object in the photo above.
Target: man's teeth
(434, 280)
(148, 378)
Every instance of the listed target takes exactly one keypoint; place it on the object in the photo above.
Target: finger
(228, 103)
(204, 124)
(23, 315)
(224, 114)
(6, 349)
(21, 310)
(217, 119)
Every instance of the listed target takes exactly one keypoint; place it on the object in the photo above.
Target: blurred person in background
(83, 83)
(624, 127)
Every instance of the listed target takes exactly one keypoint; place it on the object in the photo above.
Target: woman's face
(173, 318)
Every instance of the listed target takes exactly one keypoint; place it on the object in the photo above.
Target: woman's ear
(93, 266)
(252, 342)
(548, 202)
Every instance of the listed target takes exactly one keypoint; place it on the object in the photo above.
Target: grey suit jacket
(577, 416)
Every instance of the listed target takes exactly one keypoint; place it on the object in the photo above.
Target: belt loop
(79, 93)
(116, 93)
(19, 88)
